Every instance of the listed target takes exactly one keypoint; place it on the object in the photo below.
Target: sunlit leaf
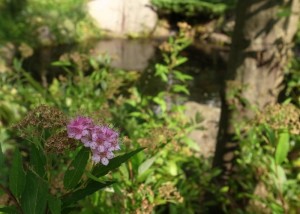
(180, 61)
(282, 148)
(146, 165)
(162, 103)
(180, 89)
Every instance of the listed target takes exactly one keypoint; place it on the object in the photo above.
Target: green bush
(194, 7)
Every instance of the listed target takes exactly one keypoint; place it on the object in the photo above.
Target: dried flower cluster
(157, 137)
(40, 118)
(60, 142)
(44, 117)
(281, 117)
(145, 194)
(102, 140)
(168, 192)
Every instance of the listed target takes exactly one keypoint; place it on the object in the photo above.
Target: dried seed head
(25, 50)
(281, 117)
(58, 143)
(43, 117)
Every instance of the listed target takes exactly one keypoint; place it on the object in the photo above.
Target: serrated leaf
(90, 188)
(181, 76)
(162, 103)
(180, 61)
(34, 197)
(161, 71)
(282, 148)
(54, 204)
(37, 160)
(76, 169)
(101, 170)
(180, 89)
(17, 176)
(146, 165)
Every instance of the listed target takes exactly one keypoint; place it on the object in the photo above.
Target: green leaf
(146, 165)
(9, 210)
(282, 147)
(17, 176)
(161, 102)
(172, 168)
(270, 135)
(224, 189)
(91, 187)
(34, 197)
(181, 76)
(54, 204)
(2, 166)
(180, 61)
(101, 170)
(76, 169)
(38, 160)
(181, 89)
(61, 63)
(161, 71)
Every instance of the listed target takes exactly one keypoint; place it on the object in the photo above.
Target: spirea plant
(60, 162)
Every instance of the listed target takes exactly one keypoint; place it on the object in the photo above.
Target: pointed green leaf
(76, 169)
(90, 188)
(146, 165)
(9, 210)
(161, 102)
(101, 170)
(2, 166)
(282, 147)
(17, 176)
(180, 60)
(180, 89)
(38, 160)
(54, 204)
(34, 197)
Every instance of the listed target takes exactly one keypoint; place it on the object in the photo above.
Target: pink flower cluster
(102, 140)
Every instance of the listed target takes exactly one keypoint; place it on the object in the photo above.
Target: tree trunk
(261, 44)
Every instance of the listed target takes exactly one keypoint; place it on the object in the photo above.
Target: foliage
(44, 23)
(152, 180)
(194, 7)
(35, 185)
(292, 82)
(268, 162)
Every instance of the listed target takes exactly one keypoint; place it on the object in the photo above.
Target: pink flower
(104, 157)
(79, 127)
(102, 140)
(106, 138)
